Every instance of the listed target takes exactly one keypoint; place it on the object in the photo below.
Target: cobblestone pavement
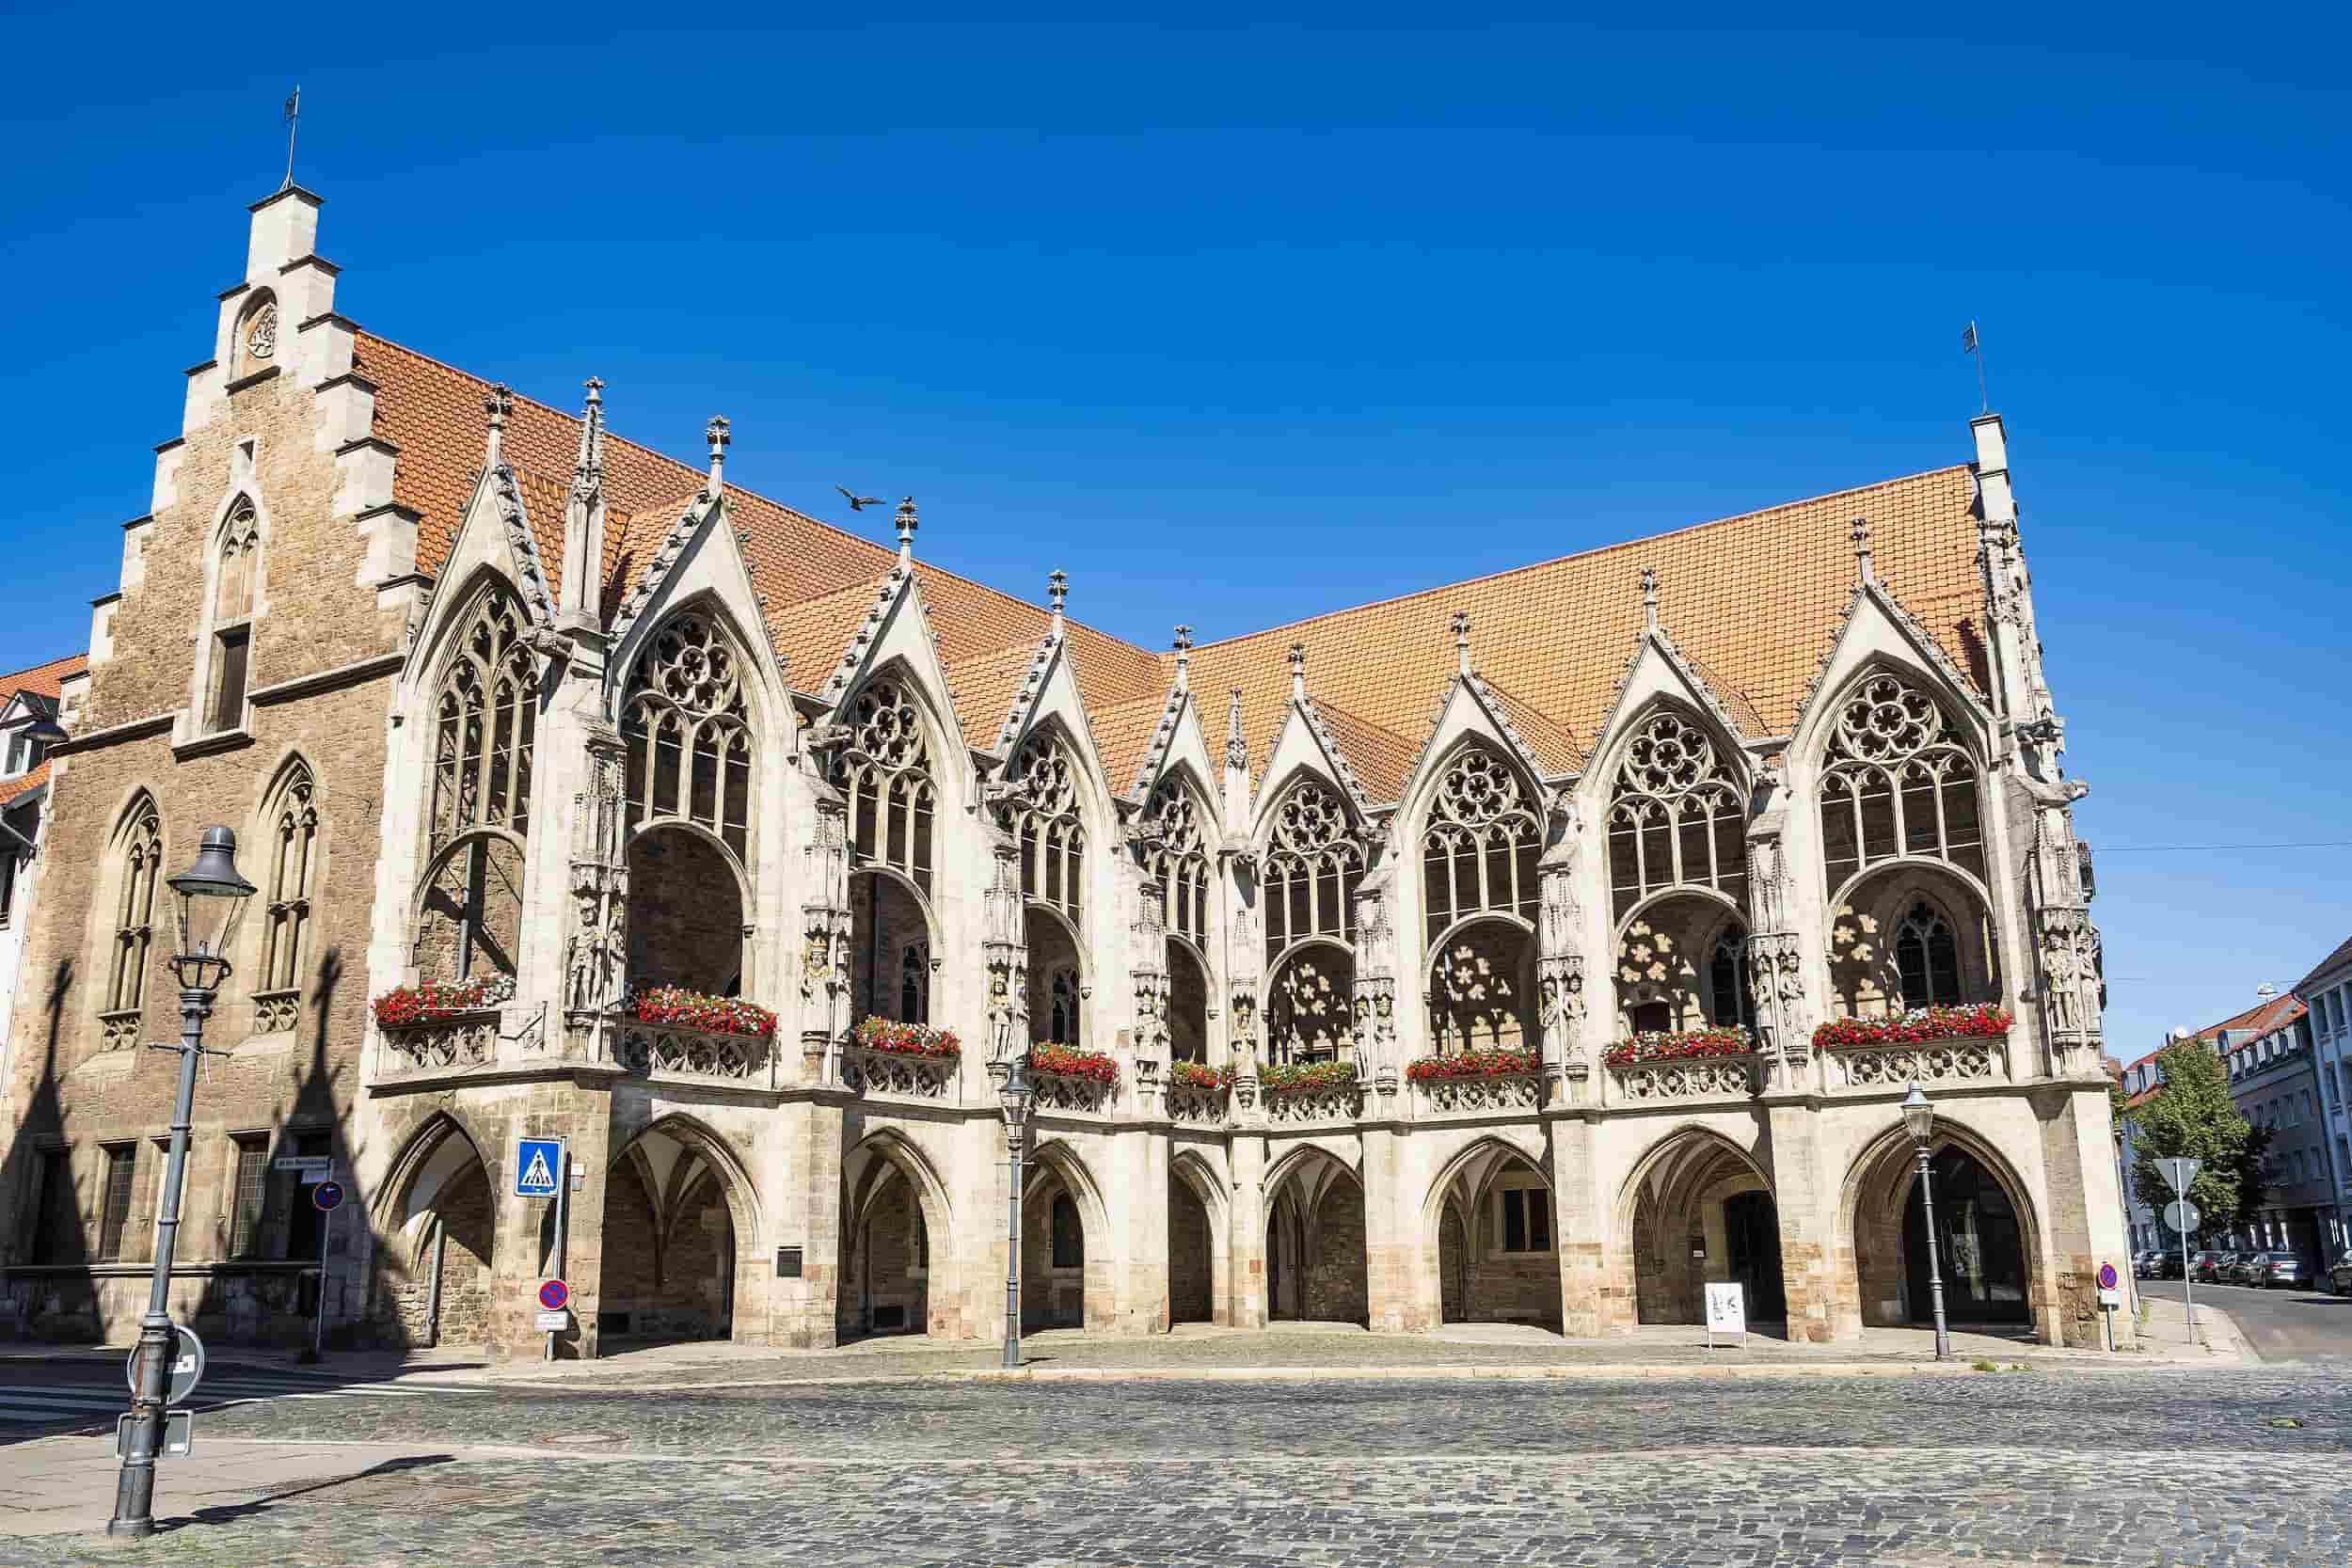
(2047, 1466)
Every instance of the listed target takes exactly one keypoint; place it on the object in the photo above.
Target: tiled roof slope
(2342, 956)
(1752, 600)
(2257, 1021)
(38, 680)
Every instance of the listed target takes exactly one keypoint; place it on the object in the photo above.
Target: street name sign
(2179, 1173)
(536, 1160)
(553, 1323)
(312, 1168)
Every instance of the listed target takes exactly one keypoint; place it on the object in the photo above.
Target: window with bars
(114, 1208)
(139, 854)
(688, 725)
(1676, 815)
(1480, 849)
(1897, 782)
(885, 774)
(248, 1199)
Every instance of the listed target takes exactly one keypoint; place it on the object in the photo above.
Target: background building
(2275, 1085)
(51, 692)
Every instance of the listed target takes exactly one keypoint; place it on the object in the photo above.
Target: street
(2303, 1323)
(2160, 1465)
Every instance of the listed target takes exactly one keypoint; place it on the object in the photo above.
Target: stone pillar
(1594, 1300)
(1245, 1239)
(1140, 1185)
(596, 964)
(2084, 1222)
(1004, 948)
(1560, 979)
(524, 1253)
(801, 1313)
(825, 932)
(1824, 1301)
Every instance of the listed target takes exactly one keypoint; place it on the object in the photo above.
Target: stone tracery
(687, 725)
(1897, 780)
(1675, 816)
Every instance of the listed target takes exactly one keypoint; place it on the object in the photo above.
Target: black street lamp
(1013, 1092)
(1920, 1118)
(206, 900)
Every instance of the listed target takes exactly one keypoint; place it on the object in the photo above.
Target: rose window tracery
(1676, 815)
(1480, 848)
(1897, 780)
(261, 333)
(885, 774)
(688, 729)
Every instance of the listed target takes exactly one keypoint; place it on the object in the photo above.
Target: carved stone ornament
(261, 333)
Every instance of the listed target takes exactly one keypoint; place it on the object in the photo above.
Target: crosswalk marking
(31, 1404)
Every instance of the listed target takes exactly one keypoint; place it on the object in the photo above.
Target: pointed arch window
(1927, 958)
(1897, 781)
(688, 726)
(1062, 1020)
(1178, 859)
(486, 715)
(256, 334)
(1314, 863)
(140, 851)
(1728, 1002)
(1479, 852)
(886, 772)
(293, 856)
(1676, 818)
(1045, 778)
(236, 565)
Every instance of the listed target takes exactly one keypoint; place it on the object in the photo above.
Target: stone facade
(551, 716)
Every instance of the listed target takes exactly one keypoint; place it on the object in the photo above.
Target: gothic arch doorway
(1065, 1266)
(1317, 1266)
(1497, 1239)
(1700, 1212)
(434, 1283)
(671, 1241)
(1978, 1244)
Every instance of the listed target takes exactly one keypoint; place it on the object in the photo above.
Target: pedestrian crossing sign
(536, 1160)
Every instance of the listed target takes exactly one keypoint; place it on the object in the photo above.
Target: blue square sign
(537, 1161)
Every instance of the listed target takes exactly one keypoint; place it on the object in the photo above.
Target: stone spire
(1184, 658)
(1236, 749)
(496, 403)
(1298, 672)
(906, 531)
(1649, 598)
(1057, 595)
(583, 518)
(716, 434)
(1461, 624)
(1860, 534)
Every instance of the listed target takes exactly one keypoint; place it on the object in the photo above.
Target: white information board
(1727, 1311)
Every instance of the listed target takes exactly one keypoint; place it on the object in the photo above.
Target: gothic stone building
(496, 698)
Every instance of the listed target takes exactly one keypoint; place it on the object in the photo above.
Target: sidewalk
(66, 1486)
(2218, 1338)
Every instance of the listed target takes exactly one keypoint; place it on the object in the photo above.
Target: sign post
(328, 1196)
(2182, 1216)
(2110, 1297)
(542, 1168)
(1727, 1313)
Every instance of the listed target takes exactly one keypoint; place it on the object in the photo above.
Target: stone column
(1004, 948)
(1594, 1301)
(1824, 1300)
(596, 966)
(2084, 1222)
(801, 1313)
(1245, 1238)
(524, 1252)
(1560, 982)
(825, 932)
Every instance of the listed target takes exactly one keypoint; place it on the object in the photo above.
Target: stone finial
(1860, 534)
(1649, 598)
(906, 530)
(1057, 595)
(1236, 749)
(1183, 657)
(588, 467)
(717, 434)
(1298, 672)
(596, 390)
(1461, 624)
(496, 403)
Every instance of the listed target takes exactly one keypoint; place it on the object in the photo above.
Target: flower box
(1980, 1020)
(692, 1009)
(1061, 1061)
(405, 1006)
(1281, 1077)
(1476, 1063)
(906, 1039)
(1199, 1075)
(1679, 1045)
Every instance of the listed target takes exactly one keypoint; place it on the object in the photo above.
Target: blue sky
(1237, 320)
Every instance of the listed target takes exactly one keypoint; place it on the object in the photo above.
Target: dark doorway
(1978, 1245)
(1752, 1237)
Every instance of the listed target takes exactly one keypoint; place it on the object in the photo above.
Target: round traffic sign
(2107, 1277)
(553, 1295)
(185, 1371)
(2182, 1216)
(328, 1196)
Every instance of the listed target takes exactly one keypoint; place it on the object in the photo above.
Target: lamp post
(206, 900)
(1013, 1093)
(1919, 1117)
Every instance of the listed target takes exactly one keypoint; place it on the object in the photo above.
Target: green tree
(2192, 1115)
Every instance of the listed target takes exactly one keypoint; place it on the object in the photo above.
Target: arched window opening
(686, 913)
(256, 346)
(1188, 1004)
(1482, 988)
(139, 848)
(1312, 866)
(1728, 1003)
(1178, 859)
(1045, 779)
(1479, 852)
(293, 855)
(1676, 818)
(1896, 781)
(1058, 991)
(1061, 1024)
(885, 774)
(485, 716)
(1927, 959)
(1310, 1010)
(914, 983)
(1069, 1237)
(688, 728)
(235, 567)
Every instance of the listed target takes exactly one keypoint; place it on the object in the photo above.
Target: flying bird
(857, 502)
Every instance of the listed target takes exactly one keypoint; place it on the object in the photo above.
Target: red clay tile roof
(2256, 1022)
(1752, 600)
(43, 680)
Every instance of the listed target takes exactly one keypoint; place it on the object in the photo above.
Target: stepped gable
(1753, 600)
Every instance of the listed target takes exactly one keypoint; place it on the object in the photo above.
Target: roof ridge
(1594, 550)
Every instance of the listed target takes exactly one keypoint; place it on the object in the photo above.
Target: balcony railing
(674, 1050)
(1506, 1091)
(897, 1074)
(1978, 1060)
(460, 1039)
(1197, 1106)
(1722, 1077)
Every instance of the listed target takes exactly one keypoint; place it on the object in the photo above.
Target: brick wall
(1338, 1287)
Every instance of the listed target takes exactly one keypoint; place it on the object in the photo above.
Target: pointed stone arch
(135, 854)
(1199, 1261)
(1490, 1228)
(1872, 973)
(289, 849)
(1069, 1253)
(674, 1267)
(1316, 1245)
(1896, 773)
(899, 1233)
(432, 1269)
(1675, 1228)
(1990, 1278)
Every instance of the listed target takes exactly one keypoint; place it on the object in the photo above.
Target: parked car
(2144, 1265)
(2273, 1269)
(2237, 1268)
(2168, 1264)
(2340, 1277)
(2206, 1267)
